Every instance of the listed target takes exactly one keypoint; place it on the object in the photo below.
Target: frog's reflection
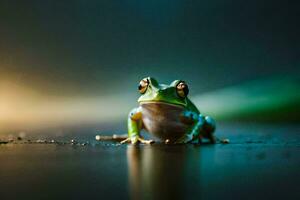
(158, 172)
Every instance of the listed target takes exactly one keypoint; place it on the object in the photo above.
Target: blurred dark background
(79, 62)
(69, 70)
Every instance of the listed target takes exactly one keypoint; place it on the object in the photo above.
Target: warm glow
(23, 108)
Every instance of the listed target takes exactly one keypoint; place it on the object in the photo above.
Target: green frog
(166, 112)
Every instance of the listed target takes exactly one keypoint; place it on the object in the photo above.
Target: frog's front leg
(203, 127)
(135, 125)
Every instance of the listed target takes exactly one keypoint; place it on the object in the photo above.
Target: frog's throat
(163, 102)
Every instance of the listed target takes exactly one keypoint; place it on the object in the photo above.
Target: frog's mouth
(162, 103)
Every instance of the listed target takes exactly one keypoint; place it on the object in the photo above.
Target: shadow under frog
(162, 171)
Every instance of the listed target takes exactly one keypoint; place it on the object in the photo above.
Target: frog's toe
(125, 141)
(132, 140)
(136, 140)
(143, 141)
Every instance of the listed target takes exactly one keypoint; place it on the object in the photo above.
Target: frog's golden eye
(182, 89)
(143, 85)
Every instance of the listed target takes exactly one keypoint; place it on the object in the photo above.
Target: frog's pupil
(186, 90)
(140, 87)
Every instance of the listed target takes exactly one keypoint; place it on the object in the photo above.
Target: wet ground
(261, 162)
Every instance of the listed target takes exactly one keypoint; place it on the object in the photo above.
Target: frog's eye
(182, 89)
(143, 85)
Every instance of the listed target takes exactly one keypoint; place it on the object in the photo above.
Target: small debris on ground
(40, 141)
(73, 142)
(224, 141)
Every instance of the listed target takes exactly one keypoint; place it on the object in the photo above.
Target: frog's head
(151, 92)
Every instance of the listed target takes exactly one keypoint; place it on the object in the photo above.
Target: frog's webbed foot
(136, 139)
(134, 128)
(204, 127)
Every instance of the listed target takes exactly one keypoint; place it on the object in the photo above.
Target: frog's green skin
(167, 116)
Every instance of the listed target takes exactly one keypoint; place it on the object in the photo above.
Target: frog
(166, 112)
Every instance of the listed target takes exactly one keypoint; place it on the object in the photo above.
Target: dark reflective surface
(260, 163)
